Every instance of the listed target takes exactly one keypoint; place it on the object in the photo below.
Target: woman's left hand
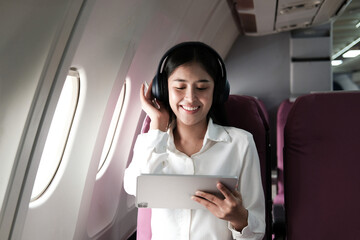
(229, 209)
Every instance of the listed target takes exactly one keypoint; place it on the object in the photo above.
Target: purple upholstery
(282, 114)
(263, 110)
(322, 167)
(143, 231)
(260, 107)
(146, 124)
(243, 112)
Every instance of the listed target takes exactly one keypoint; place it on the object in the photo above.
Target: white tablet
(175, 191)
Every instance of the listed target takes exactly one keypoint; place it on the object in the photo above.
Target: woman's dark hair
(205, 57)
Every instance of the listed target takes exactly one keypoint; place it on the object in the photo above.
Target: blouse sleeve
(252, 195)
(149, 157)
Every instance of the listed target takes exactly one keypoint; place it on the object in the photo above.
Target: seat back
(246, 112)
(264, 112)
(282, 115)
(321, 167)
(243, 112)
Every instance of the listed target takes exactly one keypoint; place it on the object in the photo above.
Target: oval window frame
(113, 128)
(57, 137)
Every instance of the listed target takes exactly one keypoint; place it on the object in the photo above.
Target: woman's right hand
(154, 109)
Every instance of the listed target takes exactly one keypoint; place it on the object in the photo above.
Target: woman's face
(190, 93)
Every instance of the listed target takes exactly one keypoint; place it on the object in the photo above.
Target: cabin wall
(25, 45)
(260, 67)
(33, 37)
(281, 66)
(113, 43)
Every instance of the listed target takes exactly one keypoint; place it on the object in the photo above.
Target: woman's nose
(190, 93)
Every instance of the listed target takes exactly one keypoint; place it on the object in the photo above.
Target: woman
(184, 139)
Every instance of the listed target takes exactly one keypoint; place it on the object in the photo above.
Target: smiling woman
(195, 145)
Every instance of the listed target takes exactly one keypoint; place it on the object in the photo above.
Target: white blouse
(226, 151)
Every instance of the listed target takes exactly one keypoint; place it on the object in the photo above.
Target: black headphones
(158, 85)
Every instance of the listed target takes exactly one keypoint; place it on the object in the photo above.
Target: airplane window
(58, 134)
(112, 129)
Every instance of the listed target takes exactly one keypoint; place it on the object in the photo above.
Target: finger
(225, 191)
(146, 103)
(209, 205)
(156, 103)
(142, 94)
(237, 194)
(148, 92)
(209, 197)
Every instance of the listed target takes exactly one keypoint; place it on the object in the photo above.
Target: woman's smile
(190, 109)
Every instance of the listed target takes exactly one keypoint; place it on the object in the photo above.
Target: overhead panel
(256, 17)
(259, 17)
(330, 9)
(292, 14)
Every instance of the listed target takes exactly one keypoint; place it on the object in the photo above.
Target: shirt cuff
(247, 232)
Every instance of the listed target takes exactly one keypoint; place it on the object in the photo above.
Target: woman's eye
(201, 89)
(180, 88)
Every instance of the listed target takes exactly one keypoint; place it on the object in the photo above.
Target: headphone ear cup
(226, 92)
(159, 85)
(155, 88)
(222, 94)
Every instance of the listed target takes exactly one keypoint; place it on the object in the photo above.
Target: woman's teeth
(190, 108)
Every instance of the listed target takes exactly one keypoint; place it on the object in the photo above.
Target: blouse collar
(216, 133)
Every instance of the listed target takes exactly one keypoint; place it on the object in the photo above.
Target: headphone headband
(185, 44)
